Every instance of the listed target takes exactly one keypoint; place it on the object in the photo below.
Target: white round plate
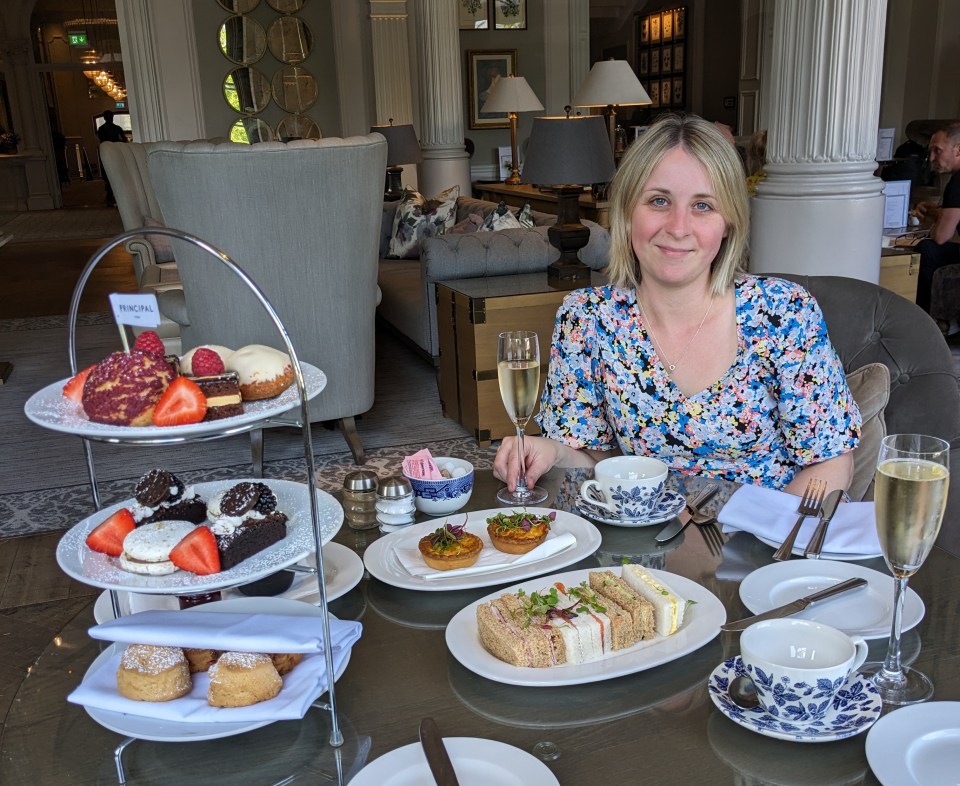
(831, 555)
(382, 562)
(341, 566)
(50, 409)
(866, 612)
(144, 728)
(100, 570)
(670, 505)
(701, 623)
(477, 762)
(856, 707)
(917, 745)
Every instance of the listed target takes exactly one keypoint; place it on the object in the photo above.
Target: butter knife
(684, 517)
(815, 546)
(437, 757)
(795, 606)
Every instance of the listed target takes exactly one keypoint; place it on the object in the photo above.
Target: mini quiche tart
(450, 547)
(518, 533)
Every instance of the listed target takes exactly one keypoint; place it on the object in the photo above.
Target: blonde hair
(718, 157)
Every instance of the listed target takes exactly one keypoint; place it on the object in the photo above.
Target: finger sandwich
(668, 607)
(634, 605)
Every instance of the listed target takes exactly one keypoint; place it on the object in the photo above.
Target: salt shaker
(395, 507)
(360, 499)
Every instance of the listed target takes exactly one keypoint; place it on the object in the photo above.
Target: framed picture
(505, 161)
(666, 60)
(665, 92)
(666, 26)
(677, 99)
(678, 57)
(510, 14)
(474, 14)
(645, 30)
(654, 93)
(679, 22)
(655, 61)
(485, 67)
(644, 64)
(655, 29)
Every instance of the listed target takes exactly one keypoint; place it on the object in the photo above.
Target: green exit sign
(77, 38)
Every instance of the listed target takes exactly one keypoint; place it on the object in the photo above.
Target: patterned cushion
(471, 223)
(870, 387)
(418, 218)
(500, 218)
(525, 216)
(162, 247)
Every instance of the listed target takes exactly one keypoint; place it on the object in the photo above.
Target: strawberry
(181, 403)
(206, 363)
(107, 537)
(150, 343)
(197, 553)
(74, 388)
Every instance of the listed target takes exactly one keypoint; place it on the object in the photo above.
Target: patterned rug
(44, 225)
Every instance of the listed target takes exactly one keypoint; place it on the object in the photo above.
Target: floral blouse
(782, 405)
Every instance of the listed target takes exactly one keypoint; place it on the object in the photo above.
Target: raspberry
(206, 363)
(150, 343)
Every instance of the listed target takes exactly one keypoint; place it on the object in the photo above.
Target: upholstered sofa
(408, 286)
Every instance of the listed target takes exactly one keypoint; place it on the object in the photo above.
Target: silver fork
(707, 524)
(809, 506)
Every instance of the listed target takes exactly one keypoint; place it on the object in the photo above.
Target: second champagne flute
(518, 370)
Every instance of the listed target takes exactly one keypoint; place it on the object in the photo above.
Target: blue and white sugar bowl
(447, 495)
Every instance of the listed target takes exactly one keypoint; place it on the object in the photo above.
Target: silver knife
(437, 756)
(815, 546)
(683, 518)
(796, 606)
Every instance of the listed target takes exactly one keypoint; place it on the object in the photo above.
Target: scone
(284, 662)
(149, 673)
(518, 533)
(239, 679)
(200, 659)
(450, 547)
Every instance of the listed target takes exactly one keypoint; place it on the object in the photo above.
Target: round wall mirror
(289, 39)
(242, 40)
(239, 6)
(248, 130)
(294, 89)
(286, 6)
(297, 127)
(247, 90)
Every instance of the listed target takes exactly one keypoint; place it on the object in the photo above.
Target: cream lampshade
(611, 83)
(512, 94)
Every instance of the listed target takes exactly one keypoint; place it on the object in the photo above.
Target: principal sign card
(140, 310)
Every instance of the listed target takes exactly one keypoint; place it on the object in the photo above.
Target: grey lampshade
(402, 144)
(611, 82)
(568, 151)
(512, 94)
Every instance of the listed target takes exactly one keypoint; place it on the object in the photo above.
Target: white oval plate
(917, 746)
(144, 728)
(866, 612)
(50, 409)
(100, 570)
(342, 568)
(477, 762)
(701, 623)
(382, 562)
(670, 504)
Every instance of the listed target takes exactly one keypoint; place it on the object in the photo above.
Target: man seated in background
(943, 220)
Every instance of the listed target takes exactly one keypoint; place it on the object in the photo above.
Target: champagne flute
(518, 370)
(913, 473)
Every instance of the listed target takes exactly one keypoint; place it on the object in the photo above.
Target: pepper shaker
(395, 506)
(360, 499)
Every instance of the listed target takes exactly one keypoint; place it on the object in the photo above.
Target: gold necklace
(671, 367)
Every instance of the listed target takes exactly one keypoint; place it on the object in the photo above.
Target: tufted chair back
(869, 324)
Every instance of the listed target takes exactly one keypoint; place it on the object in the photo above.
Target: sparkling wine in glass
(913, 473)
(518, 370)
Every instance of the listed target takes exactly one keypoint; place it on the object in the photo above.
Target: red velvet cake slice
(245, 521)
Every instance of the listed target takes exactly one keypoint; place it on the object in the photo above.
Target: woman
(684, 356)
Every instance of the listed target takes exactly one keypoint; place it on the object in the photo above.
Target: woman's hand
(540, 455)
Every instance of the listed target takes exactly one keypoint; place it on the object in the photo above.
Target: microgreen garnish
(521, 520)
(448, 534)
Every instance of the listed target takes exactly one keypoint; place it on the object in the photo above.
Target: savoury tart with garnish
(450, 547)
(518, 533)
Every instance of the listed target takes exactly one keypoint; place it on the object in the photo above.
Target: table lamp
(402, 148)
(568, 153)
(611, 83)
(512, 94)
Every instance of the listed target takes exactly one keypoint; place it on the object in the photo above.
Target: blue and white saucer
(855, 709)
(669, 505)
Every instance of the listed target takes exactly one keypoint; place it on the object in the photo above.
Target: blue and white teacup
(799, 666)
(627, 487)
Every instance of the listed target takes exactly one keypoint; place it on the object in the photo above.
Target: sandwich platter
(701, 623)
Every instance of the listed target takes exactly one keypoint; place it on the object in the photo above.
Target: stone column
(820, 209)
(445, 161)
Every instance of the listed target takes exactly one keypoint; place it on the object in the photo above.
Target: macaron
(147, 549)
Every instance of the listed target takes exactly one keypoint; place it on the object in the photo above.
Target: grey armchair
(302, 219)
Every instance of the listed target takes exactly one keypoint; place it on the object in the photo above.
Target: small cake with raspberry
(220, 388)
(264, 372)
(162, 496)
(187, 360)
(123, 389)
(245, 520)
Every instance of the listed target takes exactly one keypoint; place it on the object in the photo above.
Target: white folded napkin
(301, 687)
(228, 631)
(491, 559)
(771, 514)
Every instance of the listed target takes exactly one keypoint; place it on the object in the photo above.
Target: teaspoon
(744, 693)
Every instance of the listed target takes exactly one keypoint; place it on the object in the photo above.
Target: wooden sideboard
(898, 271)
(541, 201)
